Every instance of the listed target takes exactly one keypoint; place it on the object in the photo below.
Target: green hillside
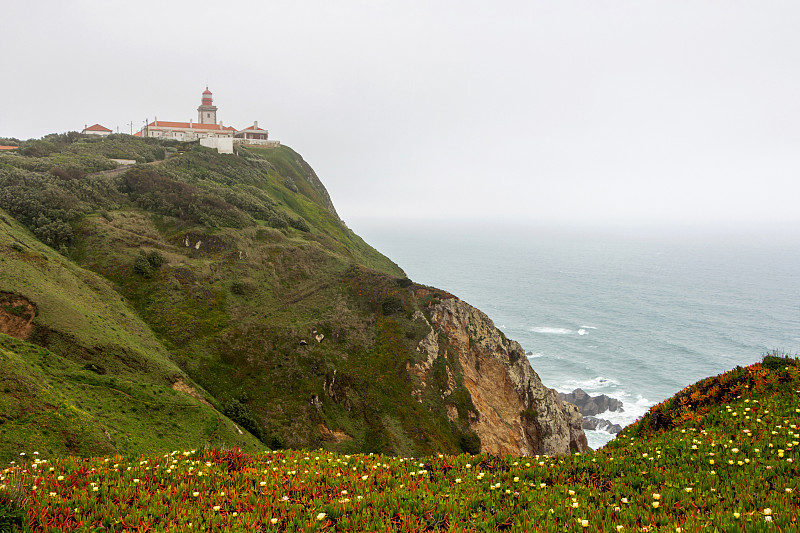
(719, 456)
(91, 377)
(232, 271)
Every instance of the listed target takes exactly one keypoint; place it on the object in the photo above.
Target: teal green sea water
(634, 316)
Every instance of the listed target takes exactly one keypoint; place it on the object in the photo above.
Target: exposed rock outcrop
(601, 424)
(591, 405)
(514, 413)
(16, 315)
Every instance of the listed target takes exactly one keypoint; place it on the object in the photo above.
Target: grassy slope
(257, 261)
(726, 461)
(103, 384)
(234, 311)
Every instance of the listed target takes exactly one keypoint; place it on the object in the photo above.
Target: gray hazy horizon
(587, 113)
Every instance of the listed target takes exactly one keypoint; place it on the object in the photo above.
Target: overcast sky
(588, 111)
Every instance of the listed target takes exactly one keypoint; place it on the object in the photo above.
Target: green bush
(289, 183)
(240, 288)
(156, 259)
(147, 263)
(299, 224)
(142, 266)
(778, 360)
(391, 305)
(470, 443)
(242, 415)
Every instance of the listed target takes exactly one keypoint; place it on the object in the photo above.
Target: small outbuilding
(97, 129)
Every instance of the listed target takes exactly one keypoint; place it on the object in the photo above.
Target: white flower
(321, 516)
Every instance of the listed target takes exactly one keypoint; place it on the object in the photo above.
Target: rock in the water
(601, 424)
(591, 405)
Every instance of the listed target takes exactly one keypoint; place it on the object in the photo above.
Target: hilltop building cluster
(207, 130)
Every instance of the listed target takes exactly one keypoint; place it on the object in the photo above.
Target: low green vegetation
(732, 467)
(240, 278)
(91, 377)
(64, 408)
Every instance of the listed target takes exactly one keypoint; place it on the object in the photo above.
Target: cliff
(236, 279)
(512, 412)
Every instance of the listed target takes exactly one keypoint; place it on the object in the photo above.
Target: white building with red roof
(97, 129)
(207, 130)
(205, 127)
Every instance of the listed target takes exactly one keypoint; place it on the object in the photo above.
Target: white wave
(534, 355)
(632, 410)
(591, 386)
(588, 327)
(597, 439)
(582, 332)
(554, 331)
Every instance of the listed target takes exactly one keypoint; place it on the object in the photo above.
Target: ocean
(634, 315)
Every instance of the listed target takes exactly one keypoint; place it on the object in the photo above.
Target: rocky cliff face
(512, 412)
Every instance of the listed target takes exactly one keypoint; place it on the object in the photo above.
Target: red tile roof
(192, 125)
(8, 147)
(253, 128)
(97, 127)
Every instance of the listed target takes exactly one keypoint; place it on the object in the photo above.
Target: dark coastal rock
(591, 405)
(600, 424)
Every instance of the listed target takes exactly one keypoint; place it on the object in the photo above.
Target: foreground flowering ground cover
(720, 456)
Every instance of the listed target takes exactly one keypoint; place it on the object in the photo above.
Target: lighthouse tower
(207, 112)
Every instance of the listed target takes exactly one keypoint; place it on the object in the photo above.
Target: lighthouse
(207, 112)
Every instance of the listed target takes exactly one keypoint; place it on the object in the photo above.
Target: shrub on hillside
(119, 147)
(37, 148)
(153, 191)
(289, 183)
(778, 360)
(470, 443)
(391, 305)
(146, 264)
(299, 224)
(241, 414)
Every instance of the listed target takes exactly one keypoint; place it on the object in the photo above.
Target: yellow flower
(655, 505)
